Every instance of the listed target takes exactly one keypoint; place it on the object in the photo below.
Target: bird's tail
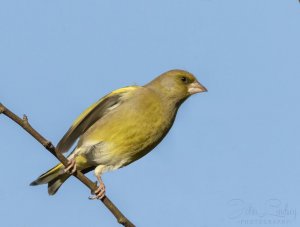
(54, 177)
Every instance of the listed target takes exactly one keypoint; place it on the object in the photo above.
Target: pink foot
(100, 192)
(71, 168)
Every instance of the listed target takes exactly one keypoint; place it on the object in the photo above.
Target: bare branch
(24, 123)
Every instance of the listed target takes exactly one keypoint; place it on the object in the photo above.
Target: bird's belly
(134, 144)
(126, 146)
(133, 141)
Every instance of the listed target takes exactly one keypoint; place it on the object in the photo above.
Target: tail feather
(55, 177)
(55, 184)
(49, 175)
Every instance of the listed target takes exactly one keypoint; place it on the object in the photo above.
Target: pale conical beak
(196, 87)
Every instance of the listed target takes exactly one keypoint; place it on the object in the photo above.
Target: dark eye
(184, 79)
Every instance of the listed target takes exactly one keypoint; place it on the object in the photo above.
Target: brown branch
(80, 176)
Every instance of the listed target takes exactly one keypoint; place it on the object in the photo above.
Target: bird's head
(176, 85)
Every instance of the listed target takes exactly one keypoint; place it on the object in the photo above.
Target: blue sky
(232, 157)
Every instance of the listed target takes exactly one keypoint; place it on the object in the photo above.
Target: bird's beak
(196, 87)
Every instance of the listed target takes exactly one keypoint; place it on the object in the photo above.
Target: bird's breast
(134, 128)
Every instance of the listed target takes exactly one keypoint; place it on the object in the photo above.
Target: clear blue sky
(233, 154)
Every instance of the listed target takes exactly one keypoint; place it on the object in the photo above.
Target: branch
(80, 176)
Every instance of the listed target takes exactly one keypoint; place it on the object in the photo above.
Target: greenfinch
(121, 127)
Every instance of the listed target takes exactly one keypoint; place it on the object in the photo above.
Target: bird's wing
(91, 115)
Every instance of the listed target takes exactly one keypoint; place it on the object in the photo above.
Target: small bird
(121, 127)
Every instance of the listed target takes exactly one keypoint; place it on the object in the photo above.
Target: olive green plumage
(123, 126)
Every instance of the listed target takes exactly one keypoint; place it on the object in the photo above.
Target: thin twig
(80, 176)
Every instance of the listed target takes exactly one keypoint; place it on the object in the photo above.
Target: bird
(121, 128)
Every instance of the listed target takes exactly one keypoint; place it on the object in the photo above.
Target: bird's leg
(71, 168)
(100, 192)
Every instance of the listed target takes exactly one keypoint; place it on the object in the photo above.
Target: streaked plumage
(123, 126)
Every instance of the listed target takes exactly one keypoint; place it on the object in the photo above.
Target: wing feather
(90, 116)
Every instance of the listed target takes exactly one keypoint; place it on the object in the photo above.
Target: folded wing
(90, 116)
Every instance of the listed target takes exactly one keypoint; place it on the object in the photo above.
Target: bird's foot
(71, 168)
(100, 192)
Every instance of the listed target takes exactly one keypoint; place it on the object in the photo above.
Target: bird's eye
(184, 79)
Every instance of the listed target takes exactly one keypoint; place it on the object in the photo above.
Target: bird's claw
(71, 168)
(99, 193)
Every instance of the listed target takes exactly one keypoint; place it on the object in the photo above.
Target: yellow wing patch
(91, 115)
(89, 109)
